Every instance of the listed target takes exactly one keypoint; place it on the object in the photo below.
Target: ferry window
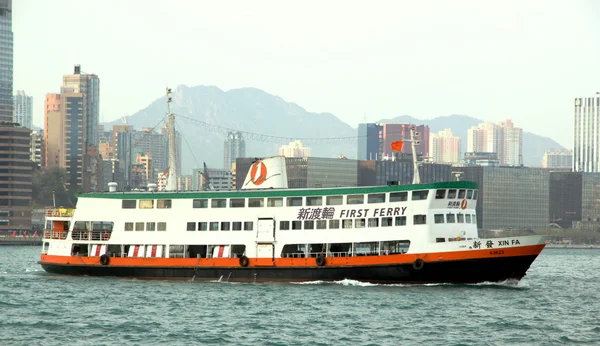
(419, 219)
(202, 226)
(128, 204)
(355, 199)
(468, 218)
(161, 226)
(400, 220)
(451, 194)
(359, 223)
(237, 203)
(321, 224)
(309, 224)
(294, 201)
(191, 226)
(146, 204)
(256, 202)
(213, 226)
(440, 194)
(314, 201)
(469, 194)
(236, 226)
(128, 226)
(150, 226)
(376, 198)
(80, 226)
(218, 203)
(225, 226)
(386, 222)
(460, 218)
(163, 203)
(475, 194)
(461, 193)
(398, 196)
(284, 225)
(248, 226)
(473, 218)
(450, 218)
(347, 223)
(334, 224)
(275, 202)
(200, 203)
(419, 195)
(296, 224)
(374, 222)
(139, 226)
(440, 240)
(438, 218)
(335, 200)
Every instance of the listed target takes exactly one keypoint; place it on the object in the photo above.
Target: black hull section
(460, 272)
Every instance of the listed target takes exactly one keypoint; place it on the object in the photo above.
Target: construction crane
(207, 185)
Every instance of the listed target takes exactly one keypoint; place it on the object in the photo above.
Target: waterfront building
(586, 136)
(369, 141)
(575, 200)
(16, 172)
(558, 158)
(6, 61)
(504, 139)
(294, 149)
(234, 147)
(444, 147)
(23, 109)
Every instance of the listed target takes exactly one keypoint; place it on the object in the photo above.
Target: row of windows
(146, 203)
(455, 218)
(350, 223)
(146, 226)
(456, 194)
(220, 226)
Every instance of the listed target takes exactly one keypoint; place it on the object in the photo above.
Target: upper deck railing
(60, 212)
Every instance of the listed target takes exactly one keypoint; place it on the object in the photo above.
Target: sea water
(557, 303)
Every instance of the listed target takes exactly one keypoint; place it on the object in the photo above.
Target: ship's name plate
(328, 213)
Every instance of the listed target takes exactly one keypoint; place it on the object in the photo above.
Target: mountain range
(205, 113)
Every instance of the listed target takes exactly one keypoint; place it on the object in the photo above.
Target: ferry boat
(417, 233)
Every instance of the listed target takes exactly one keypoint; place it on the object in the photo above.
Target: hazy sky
(524, 60)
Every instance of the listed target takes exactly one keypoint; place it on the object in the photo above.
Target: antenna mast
(413, 144)
(172, 179)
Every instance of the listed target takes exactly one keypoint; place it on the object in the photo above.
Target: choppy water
(557, 303)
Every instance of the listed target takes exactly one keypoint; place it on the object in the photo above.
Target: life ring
(418, 264)
(320, 260)
(244, 261)
(105, 236)
(104, 259)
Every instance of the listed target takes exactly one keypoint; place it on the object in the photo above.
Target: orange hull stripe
(300, 262)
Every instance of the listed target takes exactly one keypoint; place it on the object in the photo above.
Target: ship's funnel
(266, 174)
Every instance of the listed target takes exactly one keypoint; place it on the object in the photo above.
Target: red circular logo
(463, 204)
(258, 173)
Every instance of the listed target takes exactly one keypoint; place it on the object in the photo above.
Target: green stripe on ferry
(281, 192)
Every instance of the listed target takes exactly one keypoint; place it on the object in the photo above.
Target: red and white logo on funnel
(463, 204)
(258, 173)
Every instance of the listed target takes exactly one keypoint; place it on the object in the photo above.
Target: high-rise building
(586, 136)
(558, 158)
(52, 124)
(37, 148)
(211, 179)
(369, 141)
(294, 149)
(375, 140)
(504, 139)
(6, 61)
(235, 147)
(23, 112)
(131, 142)
(88, 85)
(444, 147)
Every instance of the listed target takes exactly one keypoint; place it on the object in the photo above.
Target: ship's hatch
(265, 231)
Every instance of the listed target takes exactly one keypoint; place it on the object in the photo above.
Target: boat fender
(418, 264)
(104, 259)
(320, 260)
(244, 261)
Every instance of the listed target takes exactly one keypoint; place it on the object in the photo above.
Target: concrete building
(131, 142)
(6, 61)
(16, 172)
(294, 149)
(444, 147)
(380, 137)
(586, 138)
(509, 197)
(504, 139)
(370, 143)
(575, 200)
(37, 148)
(23, 109)
(111, 172)
(558, 158)
(184, 183)
(52, 124)
(212, 179)
(88, 85)
(234, 147)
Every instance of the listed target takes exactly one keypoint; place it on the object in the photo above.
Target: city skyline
(507, 68)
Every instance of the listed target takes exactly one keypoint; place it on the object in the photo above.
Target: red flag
(397, 146)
